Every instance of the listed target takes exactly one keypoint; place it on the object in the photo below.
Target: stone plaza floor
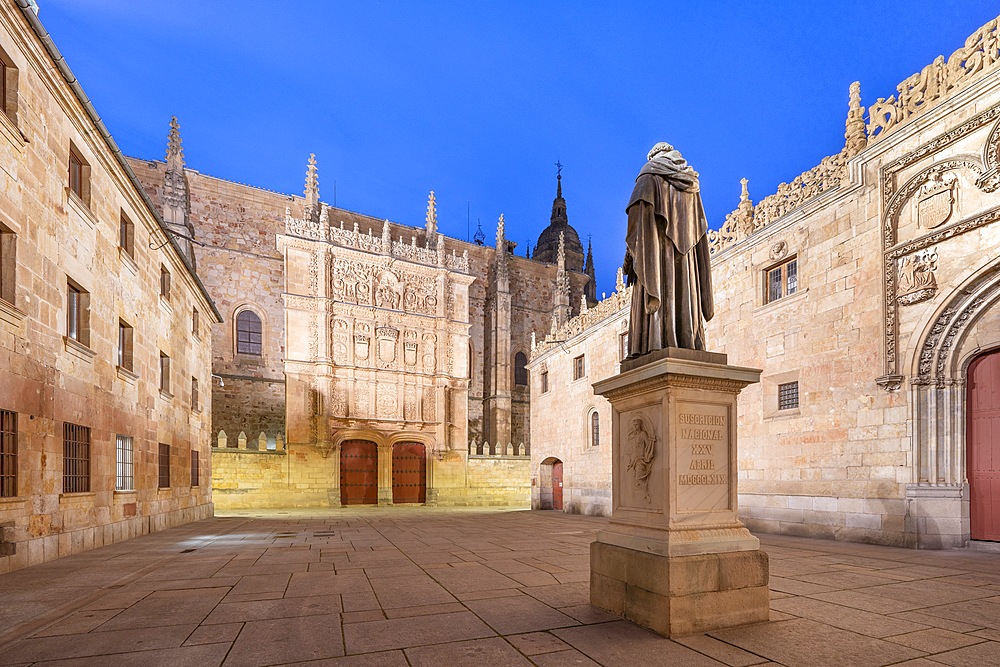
(424, 586)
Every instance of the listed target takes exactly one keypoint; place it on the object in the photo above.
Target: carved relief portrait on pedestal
(640, 450)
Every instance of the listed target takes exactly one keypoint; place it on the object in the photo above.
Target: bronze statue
(667, 260)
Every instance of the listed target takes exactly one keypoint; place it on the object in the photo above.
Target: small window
(8, 87)
(8, 264)
(125, 472)
(520, 372)
(77, 313)
(125, 333)
(79, 176)
(126, 236)
(623, 346)
(781, 281)
(195, 322)
(195, 469)
(249, 335)
(195, 405)
(788, 396)
(76, 458)
(164, 282)
(579, 368)
(164, 373)
(595, 429)
(8, 454)
(163, 467)
(545, 382)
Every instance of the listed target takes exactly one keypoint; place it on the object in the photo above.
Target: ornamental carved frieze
(372, 284)
(917, 277)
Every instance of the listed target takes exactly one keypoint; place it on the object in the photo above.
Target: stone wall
(51, 379)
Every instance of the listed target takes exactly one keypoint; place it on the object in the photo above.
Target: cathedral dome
(547, 247)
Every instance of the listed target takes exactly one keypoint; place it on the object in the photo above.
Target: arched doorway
(409, 472)
(358, 472)
(550, 487)
(983, 446)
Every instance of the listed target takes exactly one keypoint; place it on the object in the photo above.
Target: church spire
(312, 189)
(548, 240)
(561, 308)
(175, 151)
(558, 216)
(590, 289)
(176, 207)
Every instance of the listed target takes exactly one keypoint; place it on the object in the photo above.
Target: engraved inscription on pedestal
(702, 463)
(639, 479)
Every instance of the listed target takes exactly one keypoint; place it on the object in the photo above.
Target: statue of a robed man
(667, 260)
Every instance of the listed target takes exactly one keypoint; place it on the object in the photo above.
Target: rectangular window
(164, 282)
(126, 236)
(623, 346)
(579, 368)
(77, 313)
(3, 86)
(164, 373)
(195, 469)
(788, 396)
(545, 382)
(8, 454)
(76, 458)
(781, 281)
(8, 87)
(164, 467)
(194, 394)
(125, 345)
(77, 175)
(195, 322)
(125, 473)
(8, 264)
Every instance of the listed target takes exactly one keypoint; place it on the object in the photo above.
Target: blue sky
(477, 101)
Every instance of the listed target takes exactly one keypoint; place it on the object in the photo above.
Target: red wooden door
(409, 473)
(557, 485)
(358, 473)
(983, 446)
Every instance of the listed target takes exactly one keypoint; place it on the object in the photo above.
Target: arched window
(248, 333)
(595, 429)
(520, 372)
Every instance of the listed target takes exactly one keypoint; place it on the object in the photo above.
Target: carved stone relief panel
(341, 341)
(638, 470)
(917, 277)
(376, 284)
(386, 402)
(936, 199)
(386, 338)
(430, 349)
(362, 400)
(410, 403)
(430, 405)
(338, 400)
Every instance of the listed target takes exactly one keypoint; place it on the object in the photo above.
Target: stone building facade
(105, 396)
(399, 341)
(867, 290)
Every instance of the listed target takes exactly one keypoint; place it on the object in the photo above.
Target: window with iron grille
(781, 281)
(249, 333)
(164, 373)
(595, 429)
(8, 454)
(195, 405)
(164, 282)
(76, 458)
(125, 345)
(126, 235)
(579, 368)
(545, 382)
(164, 467)
(125, 471)
(195, 470)
(788, 396)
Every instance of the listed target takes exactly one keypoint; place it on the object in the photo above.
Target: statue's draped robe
(669, 265)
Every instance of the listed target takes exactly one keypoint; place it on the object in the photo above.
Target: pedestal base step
(680, 595)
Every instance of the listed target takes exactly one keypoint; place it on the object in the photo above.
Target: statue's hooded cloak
(670, 267)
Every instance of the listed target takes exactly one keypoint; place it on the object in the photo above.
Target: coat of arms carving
(360, 347)
(936, 199)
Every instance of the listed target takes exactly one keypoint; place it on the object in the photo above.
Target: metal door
(409, 472)
(358, 473)
(983, 446)
(557, 485)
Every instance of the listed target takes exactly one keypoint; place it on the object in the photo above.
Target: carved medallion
(936, 200)
(386, 403)
(778, 250)
(430, 343)
(389, 293)
(917, 281)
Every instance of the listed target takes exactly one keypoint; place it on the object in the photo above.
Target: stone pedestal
(675, 557)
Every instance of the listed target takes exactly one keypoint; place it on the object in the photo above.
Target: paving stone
(96, 643)
(424, 610)
(279, 641)
(209, 655)
(412, 591)
(78, 622)
(271, 609)
(845, 618)
(324, 583)
(721, 651)
(474, 577)
(493, 652)
(420, 630)
(521, 614)
(987, 653)
(622, 643)
(561, 595)
(935, 640)
(223, 633)
(533, 643)
(586, 613)
(385, 659)
(984, 613)
(161, 608)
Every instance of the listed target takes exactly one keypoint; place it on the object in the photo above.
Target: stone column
(675, 557)
(385, 474)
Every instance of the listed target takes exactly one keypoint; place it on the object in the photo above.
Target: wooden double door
(359, 472)
(409, 472)
(983, 446)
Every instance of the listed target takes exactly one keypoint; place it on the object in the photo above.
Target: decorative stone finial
(312, 189)
(501, 236)
(620, 280)
(431, 217)
(175, 152)
(386, 236)
(855, 133)
(583, 303)
(561, 254)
